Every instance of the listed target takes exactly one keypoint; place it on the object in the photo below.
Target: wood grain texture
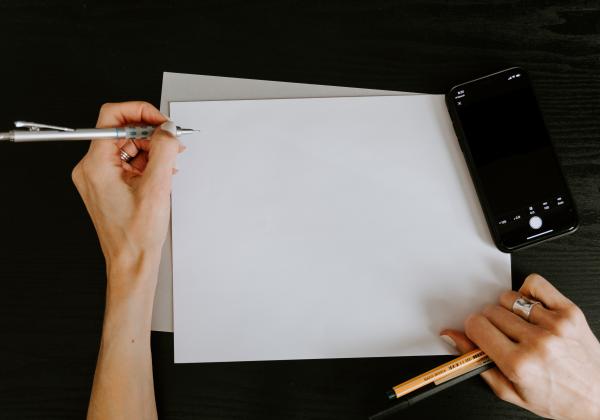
(62, 60)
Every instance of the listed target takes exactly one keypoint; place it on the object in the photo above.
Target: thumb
(163, 148)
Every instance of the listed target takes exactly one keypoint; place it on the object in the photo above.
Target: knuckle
(106, 107)
(490, 310)
(80, 173)
(144, 104)
(87, 175)
(472, 322)
(543, 344)
(506, 296)
(76, 174)
(519, 366)
(573, 313)
(562, 327)
(568, 321)
(533, 280)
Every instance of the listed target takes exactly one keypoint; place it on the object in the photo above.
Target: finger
(458, 340)
(130, 171)
(538, 315)
(499, 383)
(490, 339)
(161, 160)
(512, 325)
(538, 288)
(120, 114)
(145, 145)
(128, 167)
(130, 148)
(140, 161)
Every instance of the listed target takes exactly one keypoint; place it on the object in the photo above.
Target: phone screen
(512, 157)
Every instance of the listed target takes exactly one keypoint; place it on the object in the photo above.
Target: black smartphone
(510, 156)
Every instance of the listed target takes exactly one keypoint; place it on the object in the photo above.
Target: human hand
(549, 365)
(129, 203)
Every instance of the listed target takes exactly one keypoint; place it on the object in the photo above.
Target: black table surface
(61, 60)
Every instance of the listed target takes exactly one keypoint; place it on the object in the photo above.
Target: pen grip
(138, 132)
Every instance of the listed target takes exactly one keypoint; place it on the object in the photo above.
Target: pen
(462, 371)
(44, 132)
(438, 373)
(410, 400)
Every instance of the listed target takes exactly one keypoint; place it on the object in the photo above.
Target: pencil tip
(391, 394)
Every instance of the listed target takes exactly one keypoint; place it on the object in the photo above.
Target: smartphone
(517, 175)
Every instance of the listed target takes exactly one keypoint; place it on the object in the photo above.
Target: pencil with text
(460, 364)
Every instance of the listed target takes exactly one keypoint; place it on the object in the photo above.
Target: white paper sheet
(325, 228)
(194, 87)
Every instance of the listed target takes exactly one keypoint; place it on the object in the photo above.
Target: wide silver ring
(522, 307)
(125, 157)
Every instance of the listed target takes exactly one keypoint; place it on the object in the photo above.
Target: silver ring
(125, 157)
(522, 307)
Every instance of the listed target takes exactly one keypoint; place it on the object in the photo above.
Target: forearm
(123, 384)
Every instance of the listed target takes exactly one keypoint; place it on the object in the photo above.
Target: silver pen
(44, 132)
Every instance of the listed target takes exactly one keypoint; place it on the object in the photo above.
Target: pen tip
(391, 394)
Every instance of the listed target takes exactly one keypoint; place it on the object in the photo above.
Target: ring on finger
(128, 151)
(125, 157)
(522, 307)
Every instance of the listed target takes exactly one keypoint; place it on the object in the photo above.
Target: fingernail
(170, 127)
(448, 340)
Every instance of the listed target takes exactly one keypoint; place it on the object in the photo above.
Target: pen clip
(32, 126)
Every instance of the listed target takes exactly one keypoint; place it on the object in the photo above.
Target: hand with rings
(126, 188)
(547, 357)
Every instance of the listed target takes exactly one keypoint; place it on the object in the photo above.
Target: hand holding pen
(129, 204)
(129, 198)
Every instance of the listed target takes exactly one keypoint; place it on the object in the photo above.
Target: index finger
(118, 115)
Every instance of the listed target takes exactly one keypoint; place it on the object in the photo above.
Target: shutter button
(535, 222)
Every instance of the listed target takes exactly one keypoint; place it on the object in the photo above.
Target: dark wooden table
(61, 60)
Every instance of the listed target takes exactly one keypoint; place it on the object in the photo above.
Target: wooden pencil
(438, 373)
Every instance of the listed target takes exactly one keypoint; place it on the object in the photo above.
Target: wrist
(132, 259)
(131, 285)
(133, 271)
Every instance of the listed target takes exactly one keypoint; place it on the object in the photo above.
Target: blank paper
(325, 228)
(197, 87)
